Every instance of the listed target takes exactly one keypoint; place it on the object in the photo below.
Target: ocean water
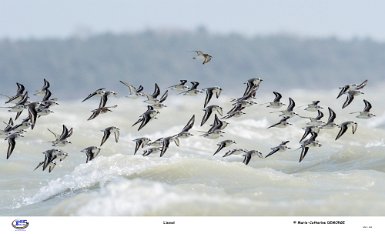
(343, 177)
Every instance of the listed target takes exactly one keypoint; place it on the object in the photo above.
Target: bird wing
(221, 146)
(38, 165)
(64, 133)
(69, 133)
(165, 145)
(276, 124)
(206, 116)
(303, 153)
(195, 85)
(218, 92)
(156, 92)
(363, 84)
(137, 145)
(247, 158)
(131, 88)
(207, 58)
(320, 115)
(189, 124)
(343, 129)
(146, 118)
(274, 150)
(348, 100)
(94, 114)
(51, 166)
(138, 121)
(116, 134)
(230, 152)
(46, 84)
(47, 95)
(164, 97)
(307, 132)
(209, 95)
(18, 114)
(103, 100)
(11, 146)
(106, 135)
(291, 104)
(91, 95)
(278, 97)
(32, 113)
(343, 90)
(332, 115)
(20, 89)
(368, 106)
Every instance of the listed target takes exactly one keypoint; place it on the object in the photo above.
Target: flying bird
(133, 91)
(365, 114)
(12, 142)
(276, 103)
(223, 144)
(108, 131)
(180, 87)
(44, 89)
(145, 118)
(91, 152)
(330, 123)
(344, 127)
(281, 147)
(311, 142)
(352, 87)
(210, 92)
(18, 96)
(252, 86)
(61, 140)
(249, 154)
(218, 124)
(209, 110)
(141, 143)
(193, 90)
(49, 159)
(313, 106)
(314, 121)
(204, 56)
(289, 110)
(157, 104)
(166, 143)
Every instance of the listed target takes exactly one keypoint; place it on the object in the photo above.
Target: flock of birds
(155, 102)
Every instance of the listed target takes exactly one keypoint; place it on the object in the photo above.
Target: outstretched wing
(189, 124)
(278, 96)
(303, 153)
(106, 135)
(343, 129)
(274, 150)
(348, 100)
(11, 146)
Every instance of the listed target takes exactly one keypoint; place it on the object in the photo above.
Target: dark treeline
(76, 66)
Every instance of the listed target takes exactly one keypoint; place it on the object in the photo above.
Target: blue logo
(20, 224)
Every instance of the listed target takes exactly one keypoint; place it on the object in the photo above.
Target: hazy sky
(341, 18)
